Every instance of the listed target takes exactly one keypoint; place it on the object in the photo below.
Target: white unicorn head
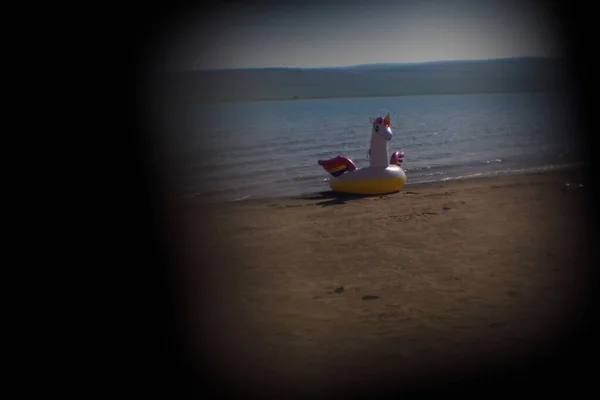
(381, 134)
(381, 127)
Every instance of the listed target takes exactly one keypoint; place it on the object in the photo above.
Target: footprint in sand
(370, 297)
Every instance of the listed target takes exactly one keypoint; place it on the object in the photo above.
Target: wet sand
(323, 294)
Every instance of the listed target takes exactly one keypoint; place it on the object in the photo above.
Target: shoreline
(579, 167)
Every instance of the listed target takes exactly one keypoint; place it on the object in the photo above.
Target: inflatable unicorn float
(380, 177)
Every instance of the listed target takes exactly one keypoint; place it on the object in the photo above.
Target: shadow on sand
(331, 198)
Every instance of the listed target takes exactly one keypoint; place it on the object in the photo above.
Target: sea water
(263, 149)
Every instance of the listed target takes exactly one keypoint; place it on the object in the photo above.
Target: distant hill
(442, 77)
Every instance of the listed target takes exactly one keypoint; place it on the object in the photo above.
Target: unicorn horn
(387, 119)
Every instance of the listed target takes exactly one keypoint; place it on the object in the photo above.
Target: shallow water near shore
(270, 149)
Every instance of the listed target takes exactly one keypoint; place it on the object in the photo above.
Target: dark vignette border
(157, 359)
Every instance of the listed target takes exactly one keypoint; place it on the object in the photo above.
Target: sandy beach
(321, 294)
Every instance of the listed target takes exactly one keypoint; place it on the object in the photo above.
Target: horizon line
(369, 64)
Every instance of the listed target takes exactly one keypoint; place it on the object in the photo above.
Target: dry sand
(323, 294)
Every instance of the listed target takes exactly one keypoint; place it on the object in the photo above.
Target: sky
(334, 33)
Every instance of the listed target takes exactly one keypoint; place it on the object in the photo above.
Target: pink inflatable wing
(397, 158)
(337, 166)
